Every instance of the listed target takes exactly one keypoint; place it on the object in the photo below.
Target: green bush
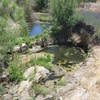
(12, 24)
(15, 73)
(41, 4)
(64, 18)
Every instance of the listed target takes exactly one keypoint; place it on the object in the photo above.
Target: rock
(29, 72)
(36, 49)
(24, 47)
(39, 97)
(49, 97)
(7, 97)
(23, 90)
(24, 86)
(24, 96)
(41, 73)
(58, 72)
(17, 48)
(3, 76)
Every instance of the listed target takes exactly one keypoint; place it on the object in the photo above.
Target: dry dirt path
(85, 84)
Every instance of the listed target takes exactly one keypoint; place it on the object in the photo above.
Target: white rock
(29, 72)
(41, 73)
(7, 97)
(24, 45)
(36, 49)
(49, 97)
(16, 48)
(24, 86)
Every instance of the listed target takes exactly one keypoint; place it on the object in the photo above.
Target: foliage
(64, 18)
(12, 24)
(39, 89)
(1, 89)
(15, 72)
(42, 61)
(40, 4)
(27, 7)
(61, 82)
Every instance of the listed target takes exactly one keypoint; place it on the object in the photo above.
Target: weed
(15, 71)
(61, 82)
(39, 89)
(1, 89)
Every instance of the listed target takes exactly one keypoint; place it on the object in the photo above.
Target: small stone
(16, 48)
(24, 47)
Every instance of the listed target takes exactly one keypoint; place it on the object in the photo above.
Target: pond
(38, 28)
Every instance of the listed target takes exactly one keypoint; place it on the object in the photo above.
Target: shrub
(41, 4)
(15, 71)
(12, 24)
(64, 18)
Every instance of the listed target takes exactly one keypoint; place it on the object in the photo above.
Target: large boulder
(7, 97)
(29, 72)
(41, 74)
(23, 90)
(36, 49)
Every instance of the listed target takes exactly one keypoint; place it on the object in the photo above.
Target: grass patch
(15, 70)
(61, 82)
(42, 61)
(44, 18)
(1, 89)
(39, 89)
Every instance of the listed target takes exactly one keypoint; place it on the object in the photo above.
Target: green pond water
(66, 56)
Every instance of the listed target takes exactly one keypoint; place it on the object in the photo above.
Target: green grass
(42, 61)
(39, 89)
(44, 18)
(16, 69)
(61, 82)
(1, 89)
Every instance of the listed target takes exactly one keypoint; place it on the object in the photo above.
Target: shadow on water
(66, 56)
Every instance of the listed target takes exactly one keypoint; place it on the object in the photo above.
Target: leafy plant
(63, 18)
(40, 4)
(15, 72)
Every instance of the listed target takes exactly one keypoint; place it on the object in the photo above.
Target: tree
(64, 18)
